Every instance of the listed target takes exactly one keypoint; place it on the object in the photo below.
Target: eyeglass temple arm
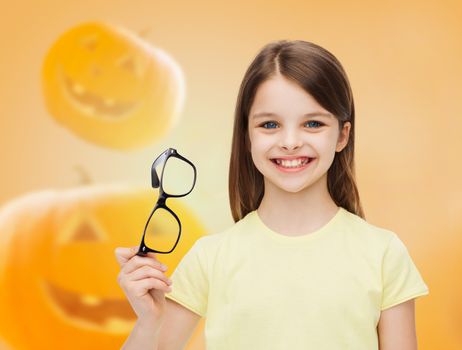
(154, 178)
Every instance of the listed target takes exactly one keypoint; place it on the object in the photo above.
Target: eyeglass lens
(162, 231)
(178, 176)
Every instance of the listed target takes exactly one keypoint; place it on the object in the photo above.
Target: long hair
(320, 74)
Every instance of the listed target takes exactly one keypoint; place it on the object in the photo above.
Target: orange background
(403, 62)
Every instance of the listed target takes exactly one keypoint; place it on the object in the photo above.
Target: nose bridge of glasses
(161, 199)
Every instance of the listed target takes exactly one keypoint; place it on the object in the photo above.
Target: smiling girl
(301, 268)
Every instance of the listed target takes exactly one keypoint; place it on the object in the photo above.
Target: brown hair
(319, 73)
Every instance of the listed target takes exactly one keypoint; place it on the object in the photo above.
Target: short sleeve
(190, 281)
(401, 280)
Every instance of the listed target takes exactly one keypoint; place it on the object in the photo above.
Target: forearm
(144, 335)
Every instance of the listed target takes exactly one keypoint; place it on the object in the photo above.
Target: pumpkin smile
(94, 105)
(109, 86)
(113, 315)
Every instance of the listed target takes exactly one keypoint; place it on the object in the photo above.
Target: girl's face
(285, 122)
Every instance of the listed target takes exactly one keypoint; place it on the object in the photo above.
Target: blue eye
(314, 121)
(268, 123)
(317, 124)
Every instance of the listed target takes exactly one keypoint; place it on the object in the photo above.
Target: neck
(297, 213)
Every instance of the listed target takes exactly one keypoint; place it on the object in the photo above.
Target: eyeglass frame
(161, 201)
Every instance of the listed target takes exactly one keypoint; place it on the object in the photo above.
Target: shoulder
(218, 241)
(217, 238)
(372, 235)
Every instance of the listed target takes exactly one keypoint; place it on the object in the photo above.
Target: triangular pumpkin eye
(81, 227)
(127, 62)
(85, 232)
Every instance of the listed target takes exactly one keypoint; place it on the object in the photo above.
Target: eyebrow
(311, 114)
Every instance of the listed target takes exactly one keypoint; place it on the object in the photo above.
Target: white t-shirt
(259, 289)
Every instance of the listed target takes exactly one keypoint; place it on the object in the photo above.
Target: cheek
(267, 138)
(261, 149)
(326, 144)
(259, 153)
(327, 151)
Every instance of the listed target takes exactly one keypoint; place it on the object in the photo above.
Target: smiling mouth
(95, 105)
(109, 315)
(294, 163)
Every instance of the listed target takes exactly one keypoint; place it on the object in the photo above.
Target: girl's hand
(144, 283)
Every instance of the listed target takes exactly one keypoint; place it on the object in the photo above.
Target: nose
(290, 140)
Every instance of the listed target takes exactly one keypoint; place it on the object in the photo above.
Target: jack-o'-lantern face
(111, 87)
(58, 272)
(82, 234)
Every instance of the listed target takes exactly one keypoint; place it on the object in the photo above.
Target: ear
(343, 137)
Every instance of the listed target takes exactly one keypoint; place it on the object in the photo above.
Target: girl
(301, 268)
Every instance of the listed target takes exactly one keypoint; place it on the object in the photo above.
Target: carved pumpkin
(111, 87)
(58, 272)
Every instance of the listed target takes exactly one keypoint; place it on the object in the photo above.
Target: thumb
(124, 254)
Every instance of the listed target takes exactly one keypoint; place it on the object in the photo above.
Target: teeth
(292, 163)
(90, 300)
(88, 109)
(78, 89)
(109, 102)
(118, 325)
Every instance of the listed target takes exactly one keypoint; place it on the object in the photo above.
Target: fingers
(143, 279)
(124, 254)
(148, 272)
(142, 287)
(141, 273)
(137, 261)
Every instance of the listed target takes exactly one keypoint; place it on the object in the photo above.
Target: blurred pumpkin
(111, 87)
(58, 272)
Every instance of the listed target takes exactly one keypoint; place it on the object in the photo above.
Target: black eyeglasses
(163, 228)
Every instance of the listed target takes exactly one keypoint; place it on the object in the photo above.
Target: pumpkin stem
(144, 33)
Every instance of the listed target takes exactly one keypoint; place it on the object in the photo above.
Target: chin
(285, 187)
